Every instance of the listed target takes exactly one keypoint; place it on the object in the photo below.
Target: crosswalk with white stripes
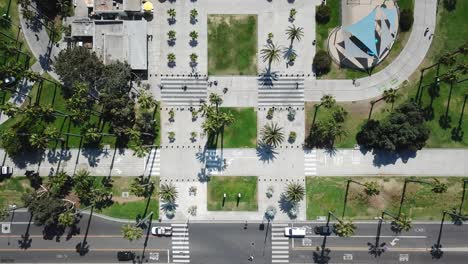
(180, 243)
(281, 91)
(310, 162)
(154, 162)
(279, 244)
(183, 91)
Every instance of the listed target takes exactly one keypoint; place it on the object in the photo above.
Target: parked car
(125, 255)
(6, 171)
(294, 231)
(161, 231)
(323, 230)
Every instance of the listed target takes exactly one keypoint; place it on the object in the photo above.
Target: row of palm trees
(272, 52)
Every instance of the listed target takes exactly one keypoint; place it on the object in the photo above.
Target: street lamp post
(436, 249)
(378, 248)
(6, 15)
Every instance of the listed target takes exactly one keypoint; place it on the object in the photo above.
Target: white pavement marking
(279, 247)
(280, 252)
(310, 163)
(279, 244)
(279, 261)
(154, 161)
(180, 243)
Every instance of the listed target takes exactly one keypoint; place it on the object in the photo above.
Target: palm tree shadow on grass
(266, 153)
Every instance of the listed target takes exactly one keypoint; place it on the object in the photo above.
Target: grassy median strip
(232, 185)
(327, 194)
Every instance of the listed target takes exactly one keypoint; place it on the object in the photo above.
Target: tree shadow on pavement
(266, 153)
(383, 158)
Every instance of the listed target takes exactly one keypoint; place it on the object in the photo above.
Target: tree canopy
(403, 129)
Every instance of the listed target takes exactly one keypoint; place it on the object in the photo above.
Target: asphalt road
(232, 243)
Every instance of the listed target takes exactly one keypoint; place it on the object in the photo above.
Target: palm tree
(193, 35)
(171, 57)
(371, 188)
(131, 232)
(91, 134)
(215, 99)
(171, 35)
(39, 141)
(193, 14)
(390, 96)
(401, 223)
(448, 59)
(193, 57)
(168, 193)
(171, 12)
(270, 53)
(344, 229)
(52, 133)
(140, 150)
(294, 32)
(146, 100)
(450, 77)
(10, 109)
(137, 188)
(295, 192)
(328, 101)
(272, 134)
(66, 219)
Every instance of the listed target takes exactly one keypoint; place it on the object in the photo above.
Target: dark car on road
(125, 255)
(323, 230)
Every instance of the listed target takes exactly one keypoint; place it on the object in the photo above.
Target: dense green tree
(44, 208)
(66, 219)
(322, 14)
(78, 64)
(324, 134)
(403, 129)
(406, 19)
(322, 62)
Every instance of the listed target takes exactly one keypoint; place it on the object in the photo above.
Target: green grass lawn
(12, 33)
(327, 194)
(450, 31)
(346, 73)
(232, 44)
(243, 132)
(232, 185)
(11, 190)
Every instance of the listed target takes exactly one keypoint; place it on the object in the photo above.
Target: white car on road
(161, 231)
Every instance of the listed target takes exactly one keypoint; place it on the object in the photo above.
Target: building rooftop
(117, 6)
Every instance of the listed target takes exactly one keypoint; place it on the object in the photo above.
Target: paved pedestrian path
(279, 244)
(180, 243)
(154, 162)
(281, 91)
(183, 91)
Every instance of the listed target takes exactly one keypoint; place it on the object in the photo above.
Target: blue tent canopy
(364, 30)
(391, 14)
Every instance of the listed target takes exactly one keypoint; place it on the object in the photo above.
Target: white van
(294, 231)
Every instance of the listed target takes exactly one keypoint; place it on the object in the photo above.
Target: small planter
(291, 114)
(193, 136)
(171, 115)
(292, 14)
(270, 113)
(269, 192)
(194, 115)
(292, 137)
(171, 136)
(192, 210)
(270, 38)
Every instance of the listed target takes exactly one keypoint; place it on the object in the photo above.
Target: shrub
(450, 5)
(322, 62)
(406, 19)
(322, 14)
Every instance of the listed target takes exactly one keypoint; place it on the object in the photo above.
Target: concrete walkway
(394, 74)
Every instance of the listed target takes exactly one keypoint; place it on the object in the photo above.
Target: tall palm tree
(39, 141)
(295, 192)
(140, 150)
(270, 53)
(450, 77)
(10, 109)
(66, 219)
(131, 232)
(294, 32)
(215, 99)
(146, 100)
(328, 101)
(439, 187)
(272, 134)
(91, 134)
(344, 229)
(168, 193)
(390, 96)
(401, 223)
(448, 59)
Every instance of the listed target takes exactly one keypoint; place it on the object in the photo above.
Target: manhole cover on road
(154, 256)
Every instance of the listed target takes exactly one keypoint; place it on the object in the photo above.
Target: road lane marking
(358, 236)
(180, 242)
(279, 261)
(279, 247)
(181, 260)
(180, 247)
(280, 252)
(280, 242)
